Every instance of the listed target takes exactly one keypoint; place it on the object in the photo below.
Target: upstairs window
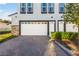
(23, 4)
(29, 8)
(23, 8)
(61, 7)
(44, 8)
(50, 7)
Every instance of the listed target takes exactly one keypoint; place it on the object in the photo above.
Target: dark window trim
(29, 12)
(23, 12)
(51, 12)
(43, 12)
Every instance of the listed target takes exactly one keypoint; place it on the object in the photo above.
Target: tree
(72, 13)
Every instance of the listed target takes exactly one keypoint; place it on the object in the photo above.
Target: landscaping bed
(7, 36)
(68, 40)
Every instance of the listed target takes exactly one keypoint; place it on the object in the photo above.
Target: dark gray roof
(12, 14)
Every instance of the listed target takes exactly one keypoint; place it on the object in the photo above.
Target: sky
(7, 9)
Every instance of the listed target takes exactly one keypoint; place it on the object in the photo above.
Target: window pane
(61, 8)
(62, 4)
(49, 4)
(23, 4)
(23, 8)
(50, 8)
(44, 8)
(44, 4)
(29, 4)
(29, 8)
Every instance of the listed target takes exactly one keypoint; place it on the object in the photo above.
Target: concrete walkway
(50, 50)
(54, 50)
(59, 51)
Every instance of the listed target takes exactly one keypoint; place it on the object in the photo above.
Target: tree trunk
(64, 27)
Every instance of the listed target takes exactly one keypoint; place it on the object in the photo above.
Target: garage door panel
(33, 29)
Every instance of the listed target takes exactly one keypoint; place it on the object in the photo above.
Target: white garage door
(33, 28)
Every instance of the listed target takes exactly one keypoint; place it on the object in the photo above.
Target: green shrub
(58, 35)
(68, 35)
(71, 36)
(65, 35)
(74, 36)
(53, 34)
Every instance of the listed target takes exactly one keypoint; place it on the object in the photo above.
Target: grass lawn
(4, 37)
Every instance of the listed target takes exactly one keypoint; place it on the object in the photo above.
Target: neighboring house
(39, 19)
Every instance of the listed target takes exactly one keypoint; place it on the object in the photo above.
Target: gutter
(13, 14)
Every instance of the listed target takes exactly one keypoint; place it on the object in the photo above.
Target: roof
(13, 14)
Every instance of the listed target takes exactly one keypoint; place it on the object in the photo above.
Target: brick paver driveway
(24, 46)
